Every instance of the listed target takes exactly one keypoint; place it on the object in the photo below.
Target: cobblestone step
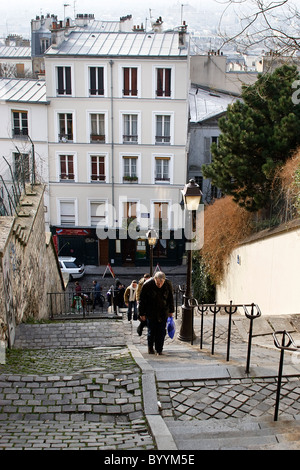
(93, 401)
(74, 435)
(62, 398)
(70, 334)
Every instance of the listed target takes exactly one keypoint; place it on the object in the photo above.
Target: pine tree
(258, 133)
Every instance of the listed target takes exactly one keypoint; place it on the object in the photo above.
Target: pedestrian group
(150, 300)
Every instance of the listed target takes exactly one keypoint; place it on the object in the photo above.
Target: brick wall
(28, 265)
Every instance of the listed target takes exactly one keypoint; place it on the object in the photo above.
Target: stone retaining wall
(28, 265)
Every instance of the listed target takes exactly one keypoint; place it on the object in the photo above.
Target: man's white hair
(160, 275)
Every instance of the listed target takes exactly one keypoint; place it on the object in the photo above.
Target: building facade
(24, 140)
(117, 129)
(206, 107)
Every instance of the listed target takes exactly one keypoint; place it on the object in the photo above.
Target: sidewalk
(93, 385)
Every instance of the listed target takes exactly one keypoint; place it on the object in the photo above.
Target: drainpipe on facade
(112, 135)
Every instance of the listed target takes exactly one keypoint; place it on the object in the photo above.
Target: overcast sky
(15, 15)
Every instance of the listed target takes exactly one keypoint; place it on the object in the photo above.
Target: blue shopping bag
(171, 327)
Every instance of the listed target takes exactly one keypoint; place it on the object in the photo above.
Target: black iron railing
(286, 344)
(70, 303)
(251, 312)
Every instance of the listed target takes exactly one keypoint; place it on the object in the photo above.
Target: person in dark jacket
(156, 304)
(142, 324)
(97, 294)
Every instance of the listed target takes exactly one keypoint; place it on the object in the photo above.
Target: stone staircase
(70, 335)
(234, 434)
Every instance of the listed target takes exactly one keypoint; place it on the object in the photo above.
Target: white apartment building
(24, 139)
(117, 130)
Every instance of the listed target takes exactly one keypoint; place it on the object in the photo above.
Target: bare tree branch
(272, 23)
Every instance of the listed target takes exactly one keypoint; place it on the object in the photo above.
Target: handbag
(171, 327)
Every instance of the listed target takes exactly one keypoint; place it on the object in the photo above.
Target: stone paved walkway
(72, 398)
(221, 399)
(92, 385)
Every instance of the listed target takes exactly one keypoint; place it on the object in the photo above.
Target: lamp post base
(186, 332)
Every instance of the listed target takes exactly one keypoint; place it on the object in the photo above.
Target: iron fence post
(251, 317)
(203, 309)
(290, 346)
(279, 379)
(232, 310)
(214, 311)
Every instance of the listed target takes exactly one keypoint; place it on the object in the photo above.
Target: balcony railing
(97, 91)
(128, 139)
(130, 179)
(162, 179)
(161, 139)
(20, 133)
(97, 138)
(65, 137)
(67, 177)
(64, 91)
(97, 178)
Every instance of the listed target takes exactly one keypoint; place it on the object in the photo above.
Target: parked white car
(69, 265)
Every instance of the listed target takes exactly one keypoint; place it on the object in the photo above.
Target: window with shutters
(130, 209)
(65, 126)
(96, 81)
(129, 212)
(20, 124)
(67, 213)
(162, 169)
(163, 129)
(130, 128)
(97, 167)
(20, 70)
(130, 169)
(161, 215)
(66, 167)
(208, 141)
(44, 44)
(97, 213)
(130, 81)
(97, 127)
(64, 85)
(163, 82)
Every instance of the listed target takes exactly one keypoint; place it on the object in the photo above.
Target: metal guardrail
(287, 344)
(70, 304)
(230, 309)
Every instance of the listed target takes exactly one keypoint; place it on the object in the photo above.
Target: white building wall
(145, 106)
(265, 272)
(38, 132)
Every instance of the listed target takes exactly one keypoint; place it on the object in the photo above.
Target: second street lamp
(192, 197)
(152, 238)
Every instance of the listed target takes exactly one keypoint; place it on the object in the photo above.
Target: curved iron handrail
(229, 309)
(290, 346)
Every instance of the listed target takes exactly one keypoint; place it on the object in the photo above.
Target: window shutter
(126, 91)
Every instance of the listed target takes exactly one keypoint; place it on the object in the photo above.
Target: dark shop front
(83, 244)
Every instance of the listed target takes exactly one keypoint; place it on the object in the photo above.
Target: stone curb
(163, 438)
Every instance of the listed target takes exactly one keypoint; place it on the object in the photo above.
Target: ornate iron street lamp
(152, 238)
(192, 197)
